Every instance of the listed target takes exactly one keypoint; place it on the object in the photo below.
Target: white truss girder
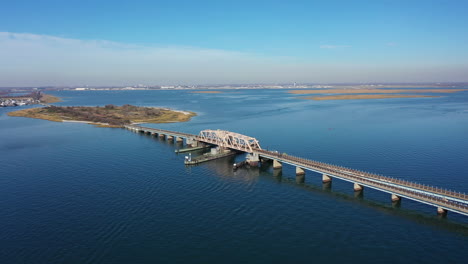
(229, 139)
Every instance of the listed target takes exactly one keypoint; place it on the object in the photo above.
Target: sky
(117, 42)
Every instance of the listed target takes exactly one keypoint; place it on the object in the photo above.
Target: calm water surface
(73, 193)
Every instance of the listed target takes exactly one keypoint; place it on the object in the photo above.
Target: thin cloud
(37, 60)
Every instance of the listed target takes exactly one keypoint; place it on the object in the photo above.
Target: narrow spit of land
(207, 92)
(363, 96)
(350, 94)
(374, 91)
(107, 116)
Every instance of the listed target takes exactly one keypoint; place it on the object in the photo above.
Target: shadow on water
(223, 169)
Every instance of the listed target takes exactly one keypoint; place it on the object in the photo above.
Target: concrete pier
(179, 140)
(191, 142)
(326, 178)
(395, 198)
(300, 171)
(253, 159)
(170, 138)
(277, 164)
(357, 187)
(161, 136)
(441, 211)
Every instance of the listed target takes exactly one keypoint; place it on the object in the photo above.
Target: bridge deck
(449, 200)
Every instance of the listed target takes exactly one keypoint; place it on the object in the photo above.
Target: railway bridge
(444, 200)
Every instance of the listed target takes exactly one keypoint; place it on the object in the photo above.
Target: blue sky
(201, 42)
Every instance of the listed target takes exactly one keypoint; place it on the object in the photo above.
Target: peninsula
(35, 97)
(107, 116)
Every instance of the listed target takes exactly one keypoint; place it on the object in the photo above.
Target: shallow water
(74, 193)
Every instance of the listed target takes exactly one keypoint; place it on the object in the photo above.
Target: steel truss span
(231, 140)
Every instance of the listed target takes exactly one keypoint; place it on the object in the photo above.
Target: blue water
(74, 193)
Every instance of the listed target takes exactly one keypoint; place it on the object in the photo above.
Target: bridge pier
(253, 159)
(161, 136)
(191, 142)
(277, 164)
(300, 171)
(358, 188)
(395, 198)
(326, 178)
(441, 211)
(179, 140)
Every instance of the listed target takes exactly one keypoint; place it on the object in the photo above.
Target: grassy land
(363, 96)
(49, 99)
(110, 115)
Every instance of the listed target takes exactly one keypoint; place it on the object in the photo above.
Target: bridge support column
(170, 138)
(357, 187)
(441, 211)
(191, 142)
(395, 198)
(277, 164)
(326, 178)
(300, 171)
(154, 134)
(161, 136)
(179, 140)
(253, 159)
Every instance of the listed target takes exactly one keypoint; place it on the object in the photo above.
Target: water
(73, 193)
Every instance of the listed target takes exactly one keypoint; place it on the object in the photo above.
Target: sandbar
(363, 96)
(378, 91)
(207, 92)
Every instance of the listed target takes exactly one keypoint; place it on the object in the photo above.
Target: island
(106, 116)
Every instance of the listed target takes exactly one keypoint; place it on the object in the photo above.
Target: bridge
(444, 200)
